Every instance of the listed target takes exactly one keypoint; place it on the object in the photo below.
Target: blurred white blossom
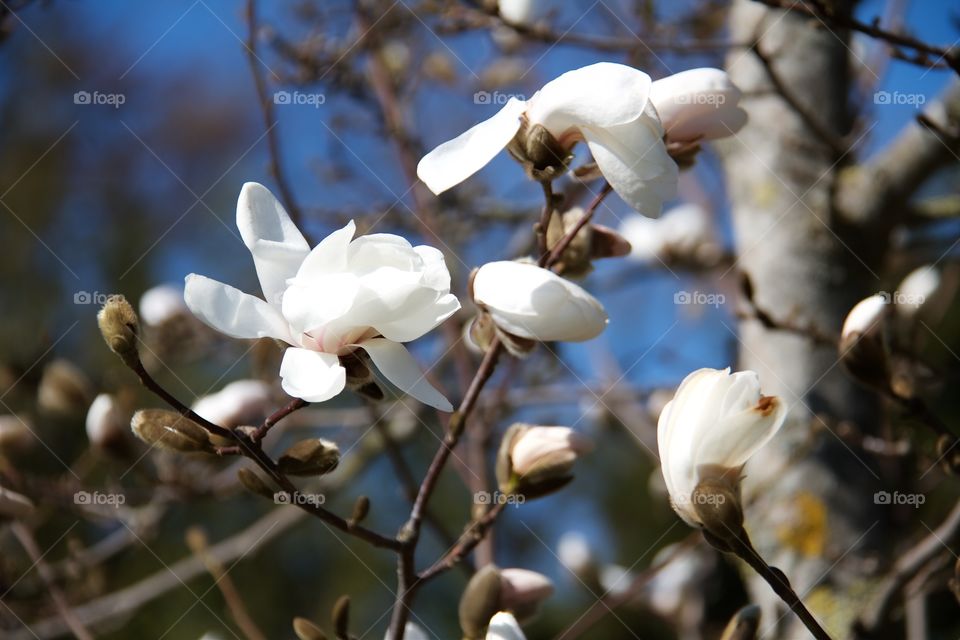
(161, 303)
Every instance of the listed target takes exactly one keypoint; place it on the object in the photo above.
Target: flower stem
(743, 548)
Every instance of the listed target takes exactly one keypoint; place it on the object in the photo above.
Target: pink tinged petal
(277, 245)
(600, 95)
(399, 367)
(699, 103)
(311, 375)
(233, 312)
(456, 160)
(330, 256)
(503, 626)
(634, 160)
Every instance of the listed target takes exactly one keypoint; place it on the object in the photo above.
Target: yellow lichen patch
(806, 533)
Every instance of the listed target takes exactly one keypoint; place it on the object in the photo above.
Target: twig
(470, 538)
(266, 107)
(820, 11)
(557, 251)
(294, 405)
(29, 543)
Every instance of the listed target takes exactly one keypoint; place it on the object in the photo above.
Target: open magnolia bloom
(699, 104)
(714, 424)
(533, 303)
(369, 293)
(606, 105)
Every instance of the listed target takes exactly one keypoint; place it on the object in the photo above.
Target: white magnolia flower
(411, 631)
(866, 317)
(681, 232)
(535, 303)
(537, 447)
(916, 289)
(522, 589)
(573, 551)
(161, 303)
(106, 421)
(503, 626)
(242, 402)
(371, 293)
(605, 104)
(714, 424)
(699, 104)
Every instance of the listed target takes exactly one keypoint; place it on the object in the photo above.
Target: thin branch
(269, 123)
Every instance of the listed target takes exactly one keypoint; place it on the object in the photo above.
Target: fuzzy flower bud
(120, 326)
(312, 457)
(169, 430)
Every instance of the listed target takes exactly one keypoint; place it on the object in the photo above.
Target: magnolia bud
(64, 389)
(341, 617)
(107, 424)
(522, 591)
(254, 483)
(312, 457)
(537, 460)
(15, 433)
(542, 156)
(863, 348)
(360, 510)
(307, 630)
(13, 505)
(119, 326)
(170, 430)
(716, 503)
(479, 332)
(480, 601)
(744, 625)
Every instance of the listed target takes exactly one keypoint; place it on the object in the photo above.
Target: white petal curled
(277, 245)
(699, 103)
(399, 367)
(456, 160)
(503, 626)
(530, 302)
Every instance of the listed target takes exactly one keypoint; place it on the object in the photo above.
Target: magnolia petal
(233, 312)
(699, 103)
(735, 439)
(277, 245)
(421, 319)
(600, 95)
(435, 272)
(503, 626)
(320, 300)
(531, 302)
(634, 160)
(456, 160)
(330, 256)
(399, 367)
(311, 375)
